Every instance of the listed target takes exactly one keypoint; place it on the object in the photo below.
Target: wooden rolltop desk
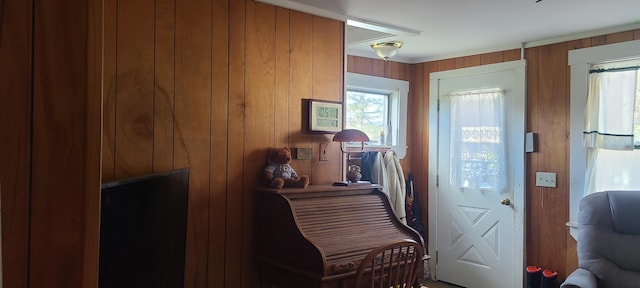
(317, 236)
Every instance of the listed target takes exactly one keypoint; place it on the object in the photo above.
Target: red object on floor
(533, 269)
(549, 273)
(533, 276)
(549, 279)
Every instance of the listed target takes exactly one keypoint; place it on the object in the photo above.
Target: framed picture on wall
(325, 116)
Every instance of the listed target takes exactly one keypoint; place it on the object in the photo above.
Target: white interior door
(476, 234)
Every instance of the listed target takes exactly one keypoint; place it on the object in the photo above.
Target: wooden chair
(396, 264)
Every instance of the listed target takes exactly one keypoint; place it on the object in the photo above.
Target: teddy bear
(280, 173)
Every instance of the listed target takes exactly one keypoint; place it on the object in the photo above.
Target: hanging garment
(396, 186)
(366, 164)
(379, 173)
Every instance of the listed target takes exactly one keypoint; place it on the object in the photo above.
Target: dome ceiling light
(386, 50)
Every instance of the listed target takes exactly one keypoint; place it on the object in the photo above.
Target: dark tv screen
(143, 228)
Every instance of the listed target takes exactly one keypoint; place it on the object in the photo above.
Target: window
(610, 127)
(591, 168)
(378, 107)
(477, 141)
(369, 112)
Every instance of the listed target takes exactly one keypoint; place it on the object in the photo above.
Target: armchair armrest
(581, 278)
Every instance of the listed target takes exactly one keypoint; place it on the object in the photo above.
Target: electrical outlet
(545, 179)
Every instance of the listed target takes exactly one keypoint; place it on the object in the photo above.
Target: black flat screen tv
(143, 228)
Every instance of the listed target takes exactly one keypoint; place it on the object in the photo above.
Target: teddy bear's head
(280, 155)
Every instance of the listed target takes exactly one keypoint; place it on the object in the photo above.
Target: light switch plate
(324, 149)
(545, 179)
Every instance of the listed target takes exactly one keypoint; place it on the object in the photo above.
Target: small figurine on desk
(354, 174)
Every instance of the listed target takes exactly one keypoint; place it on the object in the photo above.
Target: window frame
(580, 61)
(398, 91)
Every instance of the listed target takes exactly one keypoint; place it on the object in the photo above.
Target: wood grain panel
(260, 93)
(417, 115)
(301, 81)
(15, 127)
(109, 91)
(283, 94)
(328, 67)
(219, 147)
(532, 255)
(164, 86)
(92, 176)
(236, 142)
(512, 55)
(135, 88)
(579, 44)
(599, 40)
(397, 70)
(554, 101)
(619, 37)
(491, 58)
(470, 61)
(66, 144)
(378, 67)
(192, 126)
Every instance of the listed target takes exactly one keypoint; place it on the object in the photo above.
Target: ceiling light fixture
(386, 50)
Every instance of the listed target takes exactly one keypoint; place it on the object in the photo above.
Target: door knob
(506, 201)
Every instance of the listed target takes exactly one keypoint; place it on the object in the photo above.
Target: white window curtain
(478, 152)
(610, 108)
(612, 162)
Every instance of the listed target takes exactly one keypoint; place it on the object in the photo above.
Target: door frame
(519, 205)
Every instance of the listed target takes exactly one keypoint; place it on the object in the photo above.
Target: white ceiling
(453, 28)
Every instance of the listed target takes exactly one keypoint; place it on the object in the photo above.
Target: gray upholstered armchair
(608, 241)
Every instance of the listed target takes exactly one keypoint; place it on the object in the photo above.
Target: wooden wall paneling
(328, 78)
(15, 126)
(532, 217)
(109, 90)
(93, 142)
(599, 40)
(553, 99)
(259, 118)
(193, 126)
(135, 88)
(459, 62)
(219, 144)
(235, 142)
(579, 44)
(282, 102)
(620, 37)
(491, 58)
(415, 133)
(636, 34)
(363, 65)
(66, 144)
(164, 85)
(301, 81)
(447, 64)
(511, 55)
(470, 61)
(378, 67)
(351, 63)
(397, 70)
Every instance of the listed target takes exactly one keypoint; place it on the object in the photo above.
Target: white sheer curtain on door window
(478, 159)
(610, 118)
